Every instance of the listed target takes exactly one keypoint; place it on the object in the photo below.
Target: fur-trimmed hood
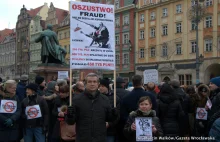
(200, 89)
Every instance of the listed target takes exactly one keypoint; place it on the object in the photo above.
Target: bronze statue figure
(51, 51)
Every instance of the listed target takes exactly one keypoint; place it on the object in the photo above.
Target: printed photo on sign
(201, 113)
(8, 106)
(143, 129)
(33, 112)
(92, 36)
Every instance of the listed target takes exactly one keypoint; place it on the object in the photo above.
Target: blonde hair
(9, 83)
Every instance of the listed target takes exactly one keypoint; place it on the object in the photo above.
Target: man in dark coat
(21, 87)
(111, 126)
(120, 88)
(39, 80)
(186, 105)
(129, 102)
(90, 111)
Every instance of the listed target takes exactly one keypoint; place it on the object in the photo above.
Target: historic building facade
(23, 35)
(166, 40)
(7, 57)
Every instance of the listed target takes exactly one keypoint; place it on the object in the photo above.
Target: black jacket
(21, 91)
(10, 133)
(131, 135)
(92, 113)
(169, 111)
(120, 92)
(38, 122)
(111, 131)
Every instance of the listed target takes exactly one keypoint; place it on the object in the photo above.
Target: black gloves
(115, 112)
(70, 112)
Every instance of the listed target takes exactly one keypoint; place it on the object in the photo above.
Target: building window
(188, 79)
(60, 36)
(125, 39)
(117, 22)
(178, 27)
(208, 2)
(165, 30)
(193, 25)
(65, 35)
(193, 46)
(125, 20)
(141, 34)
(152, 15)
(178, 49)
(152, 52)
(193, 2)
(208, 45)
(117, 40)
(117, 4)
(117, 59)
(125, 59)
(164, 50)
(178, 8)
(152, 32)
(165, 12)
(142, 18)
(208, 21)
(141, 53)
(145, 2)
(181, 79)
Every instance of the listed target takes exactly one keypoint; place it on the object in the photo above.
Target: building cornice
(158, 4)
(125, 8)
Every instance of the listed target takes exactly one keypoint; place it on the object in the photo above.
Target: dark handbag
(67, 132)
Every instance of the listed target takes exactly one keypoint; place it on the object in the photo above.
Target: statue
(51, 51)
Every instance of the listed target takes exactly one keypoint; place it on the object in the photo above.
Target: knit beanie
(105, 82)
(32, 86)
(39, 80)
(216, 81)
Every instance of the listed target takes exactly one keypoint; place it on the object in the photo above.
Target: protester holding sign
(10, 111)
(144, 111)
(35, 115)
(90, 111)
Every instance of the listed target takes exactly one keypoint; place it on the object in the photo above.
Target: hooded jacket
(169, 111)
(131, 135)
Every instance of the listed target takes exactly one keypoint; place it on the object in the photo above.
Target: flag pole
(71, 87)
(115, 88)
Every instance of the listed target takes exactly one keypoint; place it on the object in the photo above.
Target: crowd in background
(172, 107)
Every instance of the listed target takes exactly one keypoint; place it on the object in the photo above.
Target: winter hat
(32, 86)
(51, 86)
(39, 80)
(105, 82)
(216, 81)
(24, 77)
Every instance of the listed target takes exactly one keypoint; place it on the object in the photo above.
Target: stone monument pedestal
(50, 70)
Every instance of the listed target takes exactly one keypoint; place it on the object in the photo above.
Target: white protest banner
(201, 113)
(92, 30)
(8, 106)
(143, 129)
(151, 75)
(62, 74)
(209, 103)
(33, 112)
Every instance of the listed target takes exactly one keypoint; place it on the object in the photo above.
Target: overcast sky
(10, 9)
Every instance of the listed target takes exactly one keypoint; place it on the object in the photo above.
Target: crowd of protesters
(40, 111)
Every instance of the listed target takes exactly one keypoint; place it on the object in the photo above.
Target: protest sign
(143, 129)
(201, 113)
(151, 76)
(8, 106)
(92, 37)
(62, 74)
(33, 112)
(209, 103)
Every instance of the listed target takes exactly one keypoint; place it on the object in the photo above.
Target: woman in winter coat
(169, 111)
(9, 112)
(144, 110)
(59, 110)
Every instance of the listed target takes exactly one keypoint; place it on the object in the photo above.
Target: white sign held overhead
(151, 76)
(92, 30)
(62, 74)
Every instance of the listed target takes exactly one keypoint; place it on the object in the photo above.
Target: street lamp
(196, 13)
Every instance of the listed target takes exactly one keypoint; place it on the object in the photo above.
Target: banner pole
(115, 88)
(70, 87)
